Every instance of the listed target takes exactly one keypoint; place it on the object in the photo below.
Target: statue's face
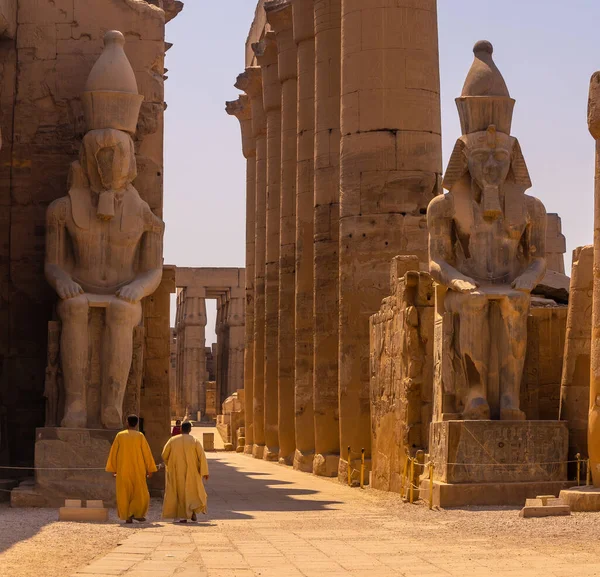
(108, 159)
(489, 165)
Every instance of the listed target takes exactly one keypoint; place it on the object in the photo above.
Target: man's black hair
(186, 427)
(132, 420)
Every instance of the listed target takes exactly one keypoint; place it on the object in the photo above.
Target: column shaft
(242, 110)
(266, 52)
(326, 237)
(250, 81)
(279, 16)
(304, 420)
(389, 171)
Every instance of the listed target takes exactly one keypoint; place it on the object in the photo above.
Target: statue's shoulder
(441, 206)
(152, 223)
(58, 210)
(535, 207)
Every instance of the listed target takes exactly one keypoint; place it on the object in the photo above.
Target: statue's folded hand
(524, 283)
(132, 293)
(463, 285)
(68, 289)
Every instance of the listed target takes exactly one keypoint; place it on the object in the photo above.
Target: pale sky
(545, 49)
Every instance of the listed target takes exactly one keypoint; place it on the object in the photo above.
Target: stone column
(242, 110)
(180, 407)
(326, 238)
(279, 16)
(389, 171)
(594, 412)
(235, 327)
(304, 35)
(266, 54)
(575, 382)
(250, 81)
(194, 358)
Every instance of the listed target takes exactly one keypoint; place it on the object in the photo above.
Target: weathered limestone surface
(594, 413)
(279, 16)
(242, 110)
(575, 383)
(266, 54)
(44, 73)
(481, 324)
(304, 36)
(328, 22)
(556, 244)
(390, 166)
(401, 372)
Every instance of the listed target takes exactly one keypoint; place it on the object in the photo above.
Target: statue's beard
(106, 205)
(490, 201)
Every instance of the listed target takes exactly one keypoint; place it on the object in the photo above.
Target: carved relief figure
(103, 243)
(487, 239)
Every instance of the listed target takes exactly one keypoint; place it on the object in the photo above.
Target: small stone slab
(82, 514)
(545, 506)
(76, 503)
(94, 504)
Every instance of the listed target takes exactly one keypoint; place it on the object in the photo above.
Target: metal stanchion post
(430, 485)
(403, 479)
(362, 469)
(588, 473)
(578, 457)
(412, 477)
(349, 469)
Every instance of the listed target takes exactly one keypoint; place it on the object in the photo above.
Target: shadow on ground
(235, 493)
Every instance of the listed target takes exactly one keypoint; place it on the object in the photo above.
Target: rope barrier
(53, 468)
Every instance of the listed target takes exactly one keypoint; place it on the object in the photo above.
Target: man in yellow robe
(186, 468)
(131, 461)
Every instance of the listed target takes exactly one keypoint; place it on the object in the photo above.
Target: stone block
(499, 451)
(208, 441)
(582, 499)
(70, 463)
(447, 495)
(45, 12)
(40, 38)
(83, 514)
(545, 506)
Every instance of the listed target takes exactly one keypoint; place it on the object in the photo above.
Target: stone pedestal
(496, 462)
(69, 452)
(581, 499)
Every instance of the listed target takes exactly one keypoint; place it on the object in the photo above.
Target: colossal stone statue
(103, 243)
(487, 243)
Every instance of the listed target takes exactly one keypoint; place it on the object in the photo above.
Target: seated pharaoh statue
(487, 247)
(103, 243)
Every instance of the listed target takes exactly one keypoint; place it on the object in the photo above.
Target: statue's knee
(73, 310)
(123, 312)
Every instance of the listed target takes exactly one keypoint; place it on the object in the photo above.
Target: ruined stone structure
(47, 53)
(367, 164)
(194, 286)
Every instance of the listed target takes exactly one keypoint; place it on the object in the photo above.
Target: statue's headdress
(485, 99)
(111, 98)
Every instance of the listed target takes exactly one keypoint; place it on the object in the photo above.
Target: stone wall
(401, 373)
(44, 71)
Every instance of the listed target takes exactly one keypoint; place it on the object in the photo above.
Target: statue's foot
(111, 419)
(477, 409)
(512, 415)
(74, 419)
(509, 409)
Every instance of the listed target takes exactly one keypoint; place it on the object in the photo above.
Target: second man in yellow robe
(187, 467)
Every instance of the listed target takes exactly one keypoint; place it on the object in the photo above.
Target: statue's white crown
(111, 98)
(485, 99)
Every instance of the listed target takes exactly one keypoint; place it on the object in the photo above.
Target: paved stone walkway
(270, 521)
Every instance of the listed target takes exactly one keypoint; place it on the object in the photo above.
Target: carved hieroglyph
(103, 243)
(487, 247)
